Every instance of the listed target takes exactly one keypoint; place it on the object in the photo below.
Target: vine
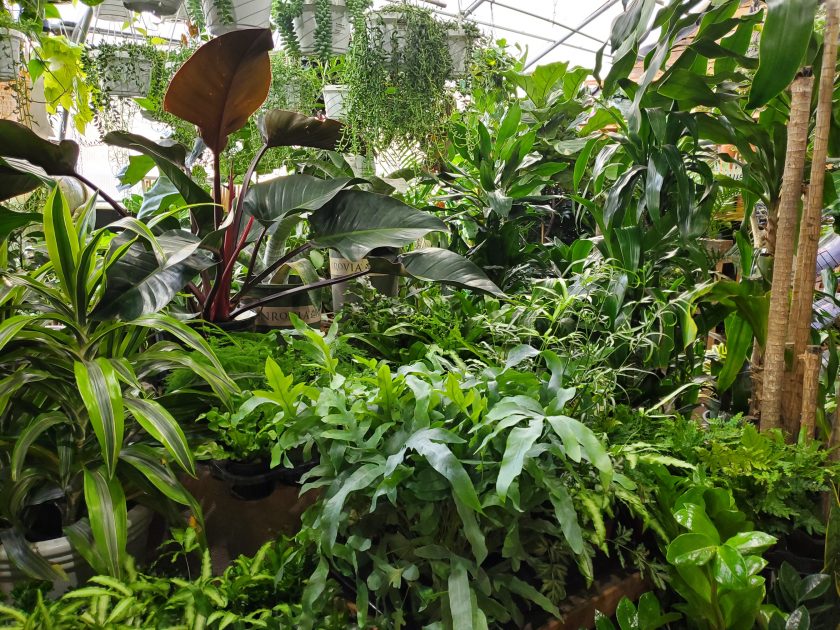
(399, 97)
(195, 11)
(283, 13)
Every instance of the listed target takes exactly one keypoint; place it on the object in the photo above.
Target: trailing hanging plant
(397, 76)
(288, 16)
(195, 12)
(122, 70)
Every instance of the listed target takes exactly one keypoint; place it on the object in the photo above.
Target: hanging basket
(243, 14)
(458, 41)
(126, 76)
(160, 8)
(306, 24)
(394, 31)
(334, 98)
(12, 44)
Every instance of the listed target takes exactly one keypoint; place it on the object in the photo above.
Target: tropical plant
(81, 427)
(716, 563)
(800, 601)
(138, 68)
(257, 592)
(284, 12)
(58, 61)
(397, 69)
(648, 616)
(437, 485)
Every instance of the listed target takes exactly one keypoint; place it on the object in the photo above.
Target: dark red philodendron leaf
(281, 128)
(222, 84)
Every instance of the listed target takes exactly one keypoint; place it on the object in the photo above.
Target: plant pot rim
(139, 517)
(335, 3)
(12, 32)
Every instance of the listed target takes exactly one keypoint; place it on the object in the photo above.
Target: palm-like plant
(79, 426)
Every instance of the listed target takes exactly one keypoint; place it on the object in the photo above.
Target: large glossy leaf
(784, 41)
(138, 283)
(19, 141)
(108, 517)
(160, 424)
(691, 549)
(168, 159)
(739, 338)
(355, 222)
(222, 84)
(100, 390)
(62, 241)
(272, 200)
(434, 264)
(281, 128)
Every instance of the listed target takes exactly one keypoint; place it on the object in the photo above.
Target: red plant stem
(272, 267)
(217, 190)
(253, 262)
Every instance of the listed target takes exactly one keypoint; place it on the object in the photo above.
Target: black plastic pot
(249, 481)
(804, 552)
(245, 322)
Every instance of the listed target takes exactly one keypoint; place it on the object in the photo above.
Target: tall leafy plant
(81, 428)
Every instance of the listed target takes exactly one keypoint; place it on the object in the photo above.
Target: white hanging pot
(58, 551)
(334, 97)
(458, 41)
(126, 76)
(244, 14)
(393, 27)
(306, 24)
(158, 7)
(12, 44)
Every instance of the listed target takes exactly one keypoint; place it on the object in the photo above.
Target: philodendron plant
(245, 232)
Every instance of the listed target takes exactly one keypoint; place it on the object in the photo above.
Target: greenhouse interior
(419, 314)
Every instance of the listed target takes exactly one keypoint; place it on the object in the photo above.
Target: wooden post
(810, 361)
(801, 307)
(777, 321)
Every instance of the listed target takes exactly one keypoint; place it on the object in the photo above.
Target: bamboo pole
(810, 361)
(777, 321)
(801, 307)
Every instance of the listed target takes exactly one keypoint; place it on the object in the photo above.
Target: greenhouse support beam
(592, 16)
(545, 19)
(496, 26)
(473, 7)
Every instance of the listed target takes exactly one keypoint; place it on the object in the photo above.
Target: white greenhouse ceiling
(549, 30)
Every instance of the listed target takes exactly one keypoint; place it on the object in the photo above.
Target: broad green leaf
(519, 442)
(361, 478)
(444, 462)
(355, 222)
(564, 511)
(11, 221)
(784, 41)
(729, 568)
(693, 517)
(433, 264)
(460, 602)
(691, 549)
(739, 339)
(751, 542)
(272, 200)
(510, 123)
(100, 390)
(29, 435)
(62, 241)
(160, 424)
(108, 517)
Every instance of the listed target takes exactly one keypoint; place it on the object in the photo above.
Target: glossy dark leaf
(14, 182)
(19, 141)
(222, 84)
(356, 222)
(11, 221)
(138, 283)
(281, 128)
(272, 200)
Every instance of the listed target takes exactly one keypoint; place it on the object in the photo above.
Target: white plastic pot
(127, 76)
(334, 96)
(158, 7)
(459, 48)
(305, 26)
(393, 30)
(246, 14)
(58, 551)
(12, 43)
